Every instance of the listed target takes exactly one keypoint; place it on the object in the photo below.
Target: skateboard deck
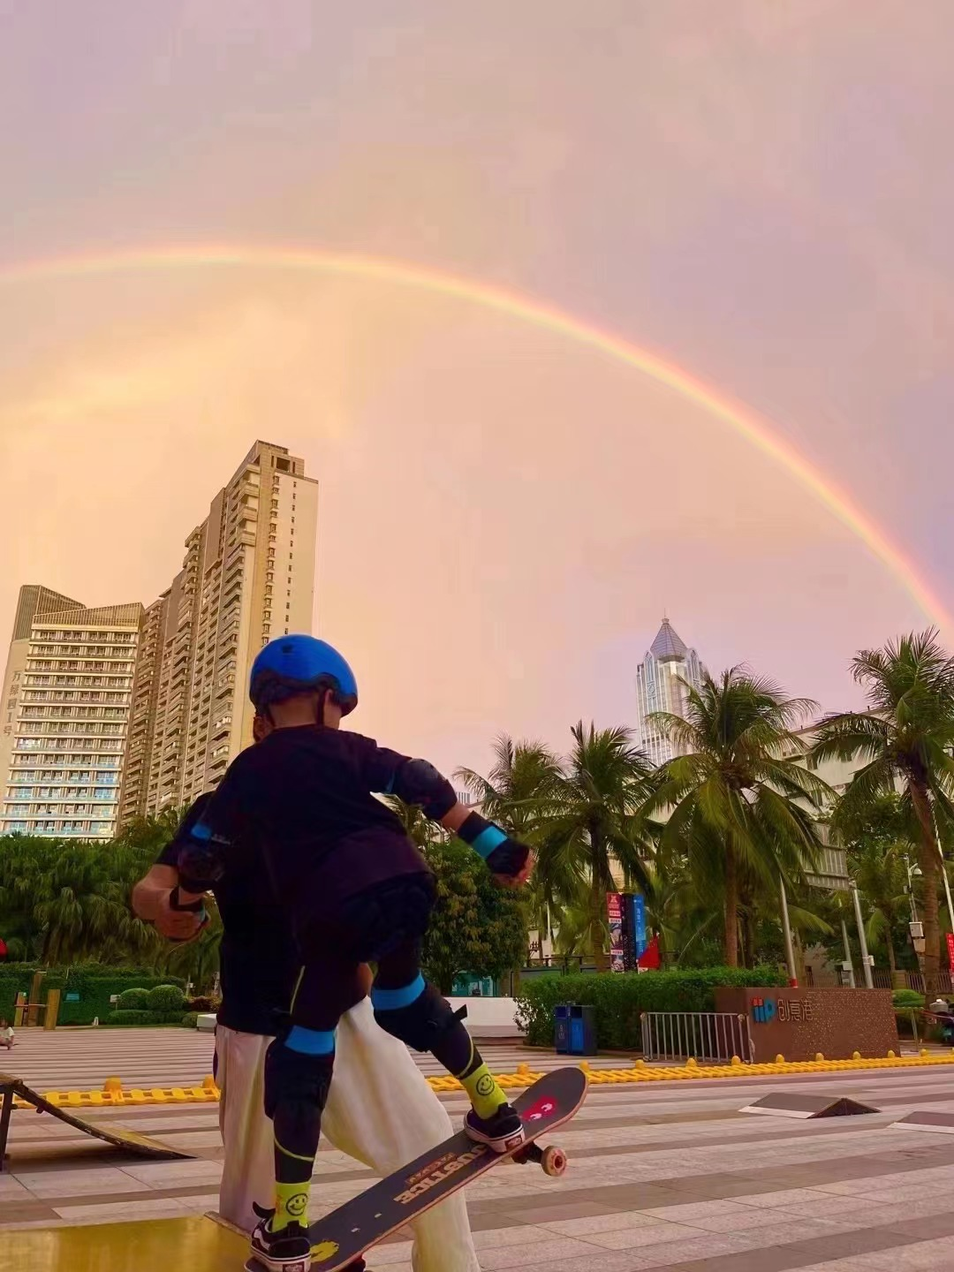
(348, 1232)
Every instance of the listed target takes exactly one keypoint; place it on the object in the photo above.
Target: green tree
(590, 827)
(65, 900)
(522, 783)
(741, 803)
(905, 738)
(517, 795)
(418, 828)
(477, 926)
(878, 845)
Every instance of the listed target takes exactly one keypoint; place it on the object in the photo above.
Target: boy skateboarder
(381, 1111)
(355, 890)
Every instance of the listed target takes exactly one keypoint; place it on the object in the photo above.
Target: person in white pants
(383, 1125)
(380, 1109)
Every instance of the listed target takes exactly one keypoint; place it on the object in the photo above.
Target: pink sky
(757, 193)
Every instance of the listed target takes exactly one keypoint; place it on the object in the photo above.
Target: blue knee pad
(297, 1079)
(419, 1015)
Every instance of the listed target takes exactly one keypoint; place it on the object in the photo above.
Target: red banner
(649, 959)
(950, 951)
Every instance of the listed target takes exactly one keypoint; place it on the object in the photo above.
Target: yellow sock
(291, 1205)
(486, 1094)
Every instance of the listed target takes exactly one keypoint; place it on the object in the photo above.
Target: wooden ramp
(148, 1245)
(803, 1105)
(118, 1136)
(927, 1120)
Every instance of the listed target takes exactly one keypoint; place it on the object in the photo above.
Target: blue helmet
(295, 664)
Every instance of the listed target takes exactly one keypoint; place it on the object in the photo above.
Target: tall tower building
(66, 707)
(248, 576)
(661, 680)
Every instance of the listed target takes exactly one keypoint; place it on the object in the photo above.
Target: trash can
(582, 1030)
(574, 1029)
(561, 1028)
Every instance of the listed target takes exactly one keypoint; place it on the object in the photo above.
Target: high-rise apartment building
(115, 712)
(66, 707)
(248, 576)
(661, 680)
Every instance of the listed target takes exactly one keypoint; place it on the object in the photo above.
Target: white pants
(380, 1111)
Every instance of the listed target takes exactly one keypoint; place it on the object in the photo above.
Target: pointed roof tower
(667, 644)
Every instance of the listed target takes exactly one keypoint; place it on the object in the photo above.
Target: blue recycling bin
(561, 1029)
(574, 1029)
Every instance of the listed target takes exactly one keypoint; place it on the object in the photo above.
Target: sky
(757, 194)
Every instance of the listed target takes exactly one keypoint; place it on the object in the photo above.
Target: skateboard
(355, 1227)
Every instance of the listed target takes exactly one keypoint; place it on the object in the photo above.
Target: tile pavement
(669, 1177)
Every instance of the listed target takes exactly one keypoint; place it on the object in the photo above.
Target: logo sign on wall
(763, 1010)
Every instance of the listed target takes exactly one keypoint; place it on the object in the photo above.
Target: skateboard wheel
(553, 1162)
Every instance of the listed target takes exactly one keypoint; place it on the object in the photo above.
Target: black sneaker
(502, 1132)
(285, 1251)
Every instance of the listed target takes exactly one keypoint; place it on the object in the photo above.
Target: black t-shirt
(306, 795)
(258, 963)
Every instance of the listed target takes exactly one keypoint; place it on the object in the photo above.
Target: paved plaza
(672, 1177)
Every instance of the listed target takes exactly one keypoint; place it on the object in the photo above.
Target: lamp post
(787, 929)
(862, 941)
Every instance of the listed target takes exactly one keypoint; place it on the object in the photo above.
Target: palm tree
(417, 825)
(741, 804)
(906, 737)
(881, 875)
(517, 795)
(590, 824)
(521, 783)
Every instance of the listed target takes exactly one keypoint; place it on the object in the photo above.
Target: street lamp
(862, 942)
(914, 872)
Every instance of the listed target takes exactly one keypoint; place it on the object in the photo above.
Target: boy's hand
(510, 863)
(177, 924)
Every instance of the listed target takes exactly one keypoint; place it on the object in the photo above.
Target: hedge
(167, 998)
(137, 1019)
(134, 1000)
(620, 997)
(95, 983)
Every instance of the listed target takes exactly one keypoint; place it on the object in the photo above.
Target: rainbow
(716, 404)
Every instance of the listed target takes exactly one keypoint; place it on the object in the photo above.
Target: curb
(113, 1095)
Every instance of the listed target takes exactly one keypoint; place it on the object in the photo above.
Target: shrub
(87, 987)
(133, 1000)
(203, 1004)
(167, 998)
(907, 998)
(128, 1019)
(620, 998)
(190, 1020)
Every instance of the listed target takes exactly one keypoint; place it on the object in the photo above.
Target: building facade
(661, 685)
(247, 576)
(114, 713)
(67, 699)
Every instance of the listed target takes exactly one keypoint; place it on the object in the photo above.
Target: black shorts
(372, 924)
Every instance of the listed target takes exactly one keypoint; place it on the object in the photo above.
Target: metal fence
(704, 1035)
